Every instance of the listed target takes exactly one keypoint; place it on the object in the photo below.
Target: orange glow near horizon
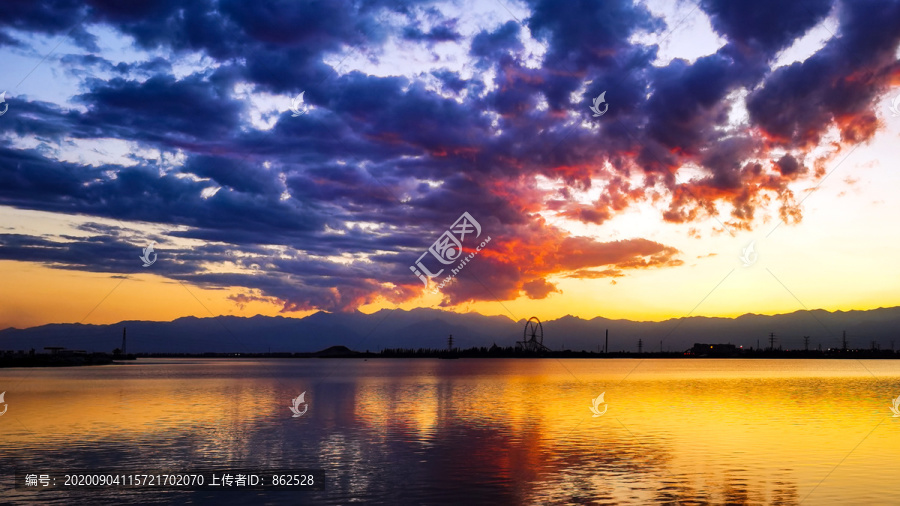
(37, 295)
(98, 298)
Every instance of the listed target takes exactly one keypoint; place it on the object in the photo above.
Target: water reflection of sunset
(673, 420)
(759, 431)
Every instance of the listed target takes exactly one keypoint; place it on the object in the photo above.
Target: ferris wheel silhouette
(533, 337)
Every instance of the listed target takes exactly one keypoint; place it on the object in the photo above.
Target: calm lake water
(476, 431)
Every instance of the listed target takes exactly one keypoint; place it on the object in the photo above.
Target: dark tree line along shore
(67, 358)
(513, 352)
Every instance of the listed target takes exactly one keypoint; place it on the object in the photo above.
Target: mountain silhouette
(429, 328)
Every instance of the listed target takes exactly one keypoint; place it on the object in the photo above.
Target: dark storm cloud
(312, 286)
(789, 166)
(450, 80)
(491, 45)
(82, 63)
(49, 17)
(9, 40)
(241, 176)
(588, 33)
(159, 108)
(30, 180)
(767, 24)
(687, 99)
(589, 41)
(836, 86)
(443, 33)
(381, 165)
(680, 117)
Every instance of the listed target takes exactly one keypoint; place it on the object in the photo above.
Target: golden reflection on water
(736, 431)
(112, 407)
(756, 431)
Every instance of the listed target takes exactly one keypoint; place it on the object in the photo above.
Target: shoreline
(94, 359)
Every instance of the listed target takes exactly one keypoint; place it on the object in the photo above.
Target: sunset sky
(729, 124)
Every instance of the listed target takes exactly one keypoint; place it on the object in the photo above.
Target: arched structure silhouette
(533, 336)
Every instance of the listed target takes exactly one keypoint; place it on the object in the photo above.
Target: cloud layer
(329, 209)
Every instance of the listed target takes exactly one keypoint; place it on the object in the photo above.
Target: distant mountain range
(430, 328)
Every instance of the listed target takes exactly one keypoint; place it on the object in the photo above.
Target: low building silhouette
(713, 350)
